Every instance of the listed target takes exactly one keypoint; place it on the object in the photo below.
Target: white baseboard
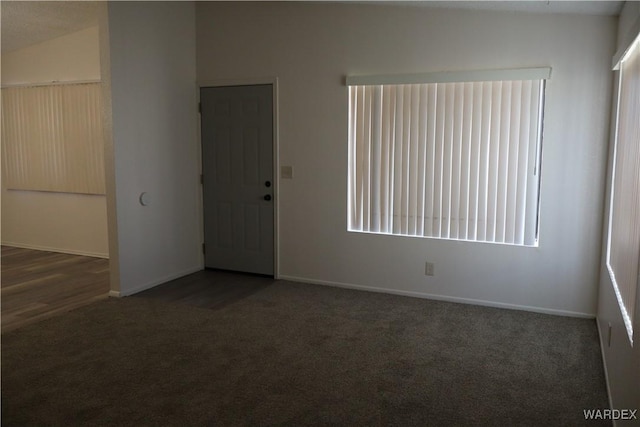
(153, 283)
(58, 250)
(446, 298)
(604, 366)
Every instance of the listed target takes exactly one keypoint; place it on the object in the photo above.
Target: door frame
(273, 81)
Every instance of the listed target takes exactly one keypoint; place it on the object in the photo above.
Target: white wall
(311, 47)
(622, 361)
(154, 146)
(62, 222)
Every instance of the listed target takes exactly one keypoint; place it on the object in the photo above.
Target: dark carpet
(298, 355)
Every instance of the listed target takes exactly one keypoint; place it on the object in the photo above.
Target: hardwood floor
(37, 284)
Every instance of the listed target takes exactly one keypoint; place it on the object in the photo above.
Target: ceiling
(24, 23)
(29, 22)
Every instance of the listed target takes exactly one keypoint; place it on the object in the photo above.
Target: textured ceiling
(29, 22)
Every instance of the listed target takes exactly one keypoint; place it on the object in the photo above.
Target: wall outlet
(428, 269)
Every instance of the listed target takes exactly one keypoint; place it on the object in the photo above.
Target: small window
(623, 249)
(52, 138)
(447, 159)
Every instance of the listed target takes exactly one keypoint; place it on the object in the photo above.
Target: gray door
(237, 164)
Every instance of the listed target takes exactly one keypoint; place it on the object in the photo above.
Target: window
(453, 156)
(623, 249)
(52, 138)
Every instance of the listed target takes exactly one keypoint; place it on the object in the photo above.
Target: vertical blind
(456, 160)
(624, 223)
(52, 138)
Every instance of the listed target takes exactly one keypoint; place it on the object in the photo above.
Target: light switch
(286, 172)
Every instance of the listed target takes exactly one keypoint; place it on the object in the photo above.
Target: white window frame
(505, 76)
(626, 293)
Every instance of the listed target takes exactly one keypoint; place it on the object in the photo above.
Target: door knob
(267, 197)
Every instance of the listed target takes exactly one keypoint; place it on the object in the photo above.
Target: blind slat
(387, 156)
(431, 160)
(422, 161)
(366, 159)
(467, 164)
